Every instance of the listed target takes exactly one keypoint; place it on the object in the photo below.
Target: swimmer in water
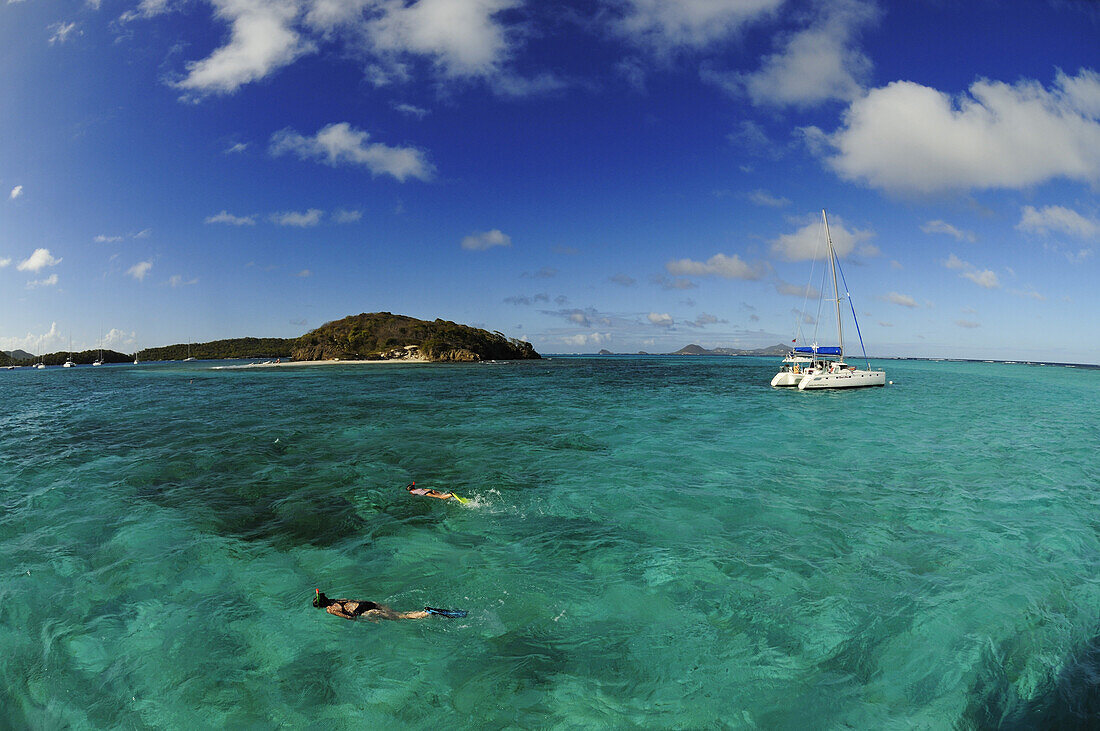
(352, 609)
(428, 492)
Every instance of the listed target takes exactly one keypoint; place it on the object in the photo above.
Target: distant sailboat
(188, 353)
(815, 366)
(69, 361)
(99, 360)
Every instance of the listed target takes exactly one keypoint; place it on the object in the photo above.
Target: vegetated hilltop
(85, 357)
(216, 349)
(381, 335)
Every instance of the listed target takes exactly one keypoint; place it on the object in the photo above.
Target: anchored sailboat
(813, 367)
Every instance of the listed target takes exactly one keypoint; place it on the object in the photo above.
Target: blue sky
(620, 174)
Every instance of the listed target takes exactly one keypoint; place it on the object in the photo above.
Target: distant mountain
(605, 351)
(18, 354)
(780, 349)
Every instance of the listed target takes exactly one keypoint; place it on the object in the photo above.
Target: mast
(836, 290)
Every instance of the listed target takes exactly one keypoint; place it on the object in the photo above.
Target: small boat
(816, 367)
(69, 361)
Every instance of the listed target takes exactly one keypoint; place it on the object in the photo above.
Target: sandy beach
(298, 363)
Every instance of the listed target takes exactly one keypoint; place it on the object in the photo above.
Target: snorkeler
(351, 609)
(428, 492)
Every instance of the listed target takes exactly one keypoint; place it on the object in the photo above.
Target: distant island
(771, 350)
(366, 336)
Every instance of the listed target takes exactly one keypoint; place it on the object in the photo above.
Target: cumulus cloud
(1057, 219)
(15, 192)
(942, 227)
(462, 36)
(909, 138)
(40, 259)
(49, 281)
(139, 270)
(985, 278)
(480, 241)
(672, 282)
(341, 144)
(228, 218)
(794, 290)
(312, 217)
(719, 265)
(818, 63)
(660, 319)
(581, 339)
(116, 338)
(665, 25)
(262, 39)
(808, 242)
(901, 299)
(411, 110)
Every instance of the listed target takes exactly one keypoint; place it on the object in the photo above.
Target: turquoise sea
(651, 542)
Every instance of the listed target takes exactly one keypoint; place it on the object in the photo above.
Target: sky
(629, 175)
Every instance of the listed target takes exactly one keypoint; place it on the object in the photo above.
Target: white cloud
(1057, 219)
(104, 239)
(40, 259)
(764, 198)
(236, 148)
(660, 319)
(16, 192)
(304, 273)
(808, 242)
(793, 290)
(586, 339)
(480, 241)
(177, 280)
(139, 270)
(228, 218)
(49, 281)
(340, 143)
(4, 262)
(969, 324)
(909, 138)
(31, 342)
(412, 111)
(461, 35)
(343, 215)
(262, 40)
(143, 234)
(942, 227)
(816, 64)
(118, 338)
(63, 32)
(296, 218)
(719, 265)
(146, 9)
(982, 277)
(901, 299)
(664, 25)
(624, 280)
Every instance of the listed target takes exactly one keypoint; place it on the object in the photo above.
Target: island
(699, 350)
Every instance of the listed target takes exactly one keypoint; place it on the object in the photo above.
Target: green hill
(219, 349)
(381, 335)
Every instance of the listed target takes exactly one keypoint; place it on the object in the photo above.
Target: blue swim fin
(452, 613)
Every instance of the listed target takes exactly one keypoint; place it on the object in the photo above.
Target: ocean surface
(650, 542)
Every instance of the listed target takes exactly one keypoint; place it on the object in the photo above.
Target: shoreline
(297, 363)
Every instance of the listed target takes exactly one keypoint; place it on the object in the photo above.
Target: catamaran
(814, 366)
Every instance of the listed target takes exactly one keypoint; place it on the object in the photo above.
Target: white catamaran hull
(843, 379)
(786, 378)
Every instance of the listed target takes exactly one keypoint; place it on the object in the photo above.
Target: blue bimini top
(819, 351)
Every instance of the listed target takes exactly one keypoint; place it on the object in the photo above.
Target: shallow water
(659, 542)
